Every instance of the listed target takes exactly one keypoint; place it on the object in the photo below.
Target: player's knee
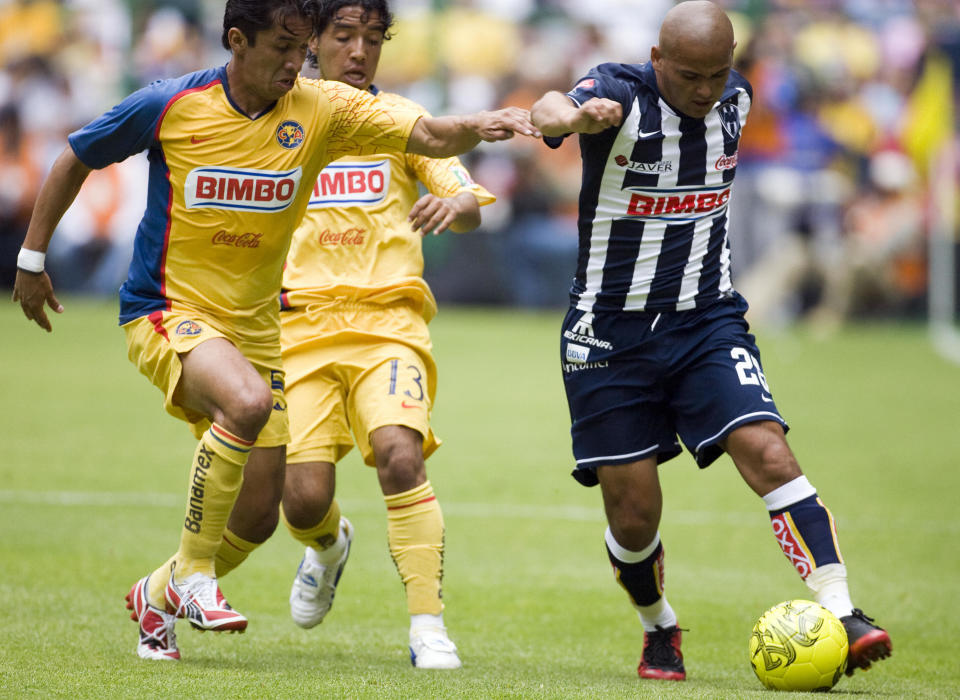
(402, 468)
(633, 529)
(262, 525)
(249, 410)
(779, 463)
(306, 507)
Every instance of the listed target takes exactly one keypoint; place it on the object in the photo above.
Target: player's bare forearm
(57, 193)
(442, 137)
(468, 213)
(555, 114)
(34, 290)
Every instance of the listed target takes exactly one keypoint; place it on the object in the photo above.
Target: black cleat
(868, 643)
(662, 658)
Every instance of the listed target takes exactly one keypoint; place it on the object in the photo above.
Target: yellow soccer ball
(798, 645)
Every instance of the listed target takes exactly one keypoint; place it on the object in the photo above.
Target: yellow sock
(232, 553)
(323, 534)
(157, 584)
(415, 534)
(215, 479)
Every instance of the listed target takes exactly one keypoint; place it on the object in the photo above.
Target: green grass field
(92, 474)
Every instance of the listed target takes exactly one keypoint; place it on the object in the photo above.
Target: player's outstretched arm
(555, 114)
(442, 137)
(33, 289)
(432, 214)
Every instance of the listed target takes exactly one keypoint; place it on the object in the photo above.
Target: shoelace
(206, 597)
(660, 651)
(860, 615)
(162, 634)
(314, 575)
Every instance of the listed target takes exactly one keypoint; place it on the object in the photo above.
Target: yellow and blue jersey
(226, 190)
(355, 241)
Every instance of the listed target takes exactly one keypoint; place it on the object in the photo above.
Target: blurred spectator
(93, 246)
(835, 84)
(19, 182)
(881, 267)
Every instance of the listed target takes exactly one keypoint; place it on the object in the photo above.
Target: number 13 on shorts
(406, 380)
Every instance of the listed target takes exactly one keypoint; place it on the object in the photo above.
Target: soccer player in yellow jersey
(234, 152)
(356, 349)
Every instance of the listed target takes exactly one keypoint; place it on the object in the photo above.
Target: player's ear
(655, 55)
(236, 39)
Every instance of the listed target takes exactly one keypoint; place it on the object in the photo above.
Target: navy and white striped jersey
(653, 201)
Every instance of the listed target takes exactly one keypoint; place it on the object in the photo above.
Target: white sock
(330, 555)
(417, 621)
(658, 614)
(791, 492)
(624, 554)
(828, 583)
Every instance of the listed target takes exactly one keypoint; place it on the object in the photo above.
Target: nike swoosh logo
(197, 139)
(409, 405)
(766, 398)
(647, 134)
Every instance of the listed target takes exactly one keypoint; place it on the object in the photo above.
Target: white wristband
(31, 260)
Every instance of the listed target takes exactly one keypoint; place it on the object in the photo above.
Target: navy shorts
(635, 381)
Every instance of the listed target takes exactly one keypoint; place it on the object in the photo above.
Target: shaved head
(696, 27)
(693, 57)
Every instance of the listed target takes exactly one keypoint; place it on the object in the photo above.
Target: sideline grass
(92, 474)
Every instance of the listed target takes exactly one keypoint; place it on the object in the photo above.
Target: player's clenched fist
(597, 114)
(555, 114)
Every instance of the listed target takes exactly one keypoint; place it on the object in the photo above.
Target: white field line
(575, 513)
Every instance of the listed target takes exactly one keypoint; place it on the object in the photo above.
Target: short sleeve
(601, 82)
(447, 177)
(126, 129)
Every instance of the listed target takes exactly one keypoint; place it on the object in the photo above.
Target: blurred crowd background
(848, 139)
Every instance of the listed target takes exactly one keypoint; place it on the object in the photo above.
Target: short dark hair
(252, 16)
(330, 8)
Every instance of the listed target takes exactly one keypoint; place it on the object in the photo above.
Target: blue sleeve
(126, 129)
(601, 81)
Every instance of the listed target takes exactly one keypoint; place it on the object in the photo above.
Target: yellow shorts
(155, 343)
(353, 368)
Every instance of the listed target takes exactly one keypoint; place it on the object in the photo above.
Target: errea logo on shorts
(360, 184)
(241, 188)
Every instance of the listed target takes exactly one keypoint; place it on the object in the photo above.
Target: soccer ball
(798, 645)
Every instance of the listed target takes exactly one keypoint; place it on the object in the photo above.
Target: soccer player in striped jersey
(655, 345)
(234, 153)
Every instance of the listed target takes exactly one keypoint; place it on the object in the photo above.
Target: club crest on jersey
(241, 188)
(290, 134)
(188, 328)
(730, 119)
(363, 183)
(463, 177)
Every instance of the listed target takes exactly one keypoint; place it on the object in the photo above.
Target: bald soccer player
(654, 347)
